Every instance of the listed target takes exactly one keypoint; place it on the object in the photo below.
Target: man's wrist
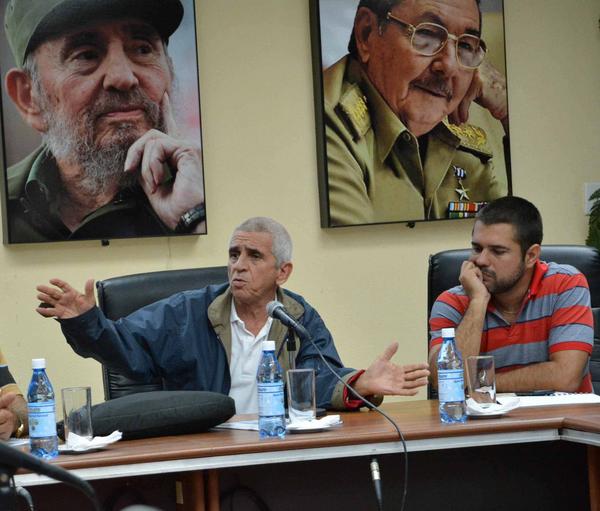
(190, 219)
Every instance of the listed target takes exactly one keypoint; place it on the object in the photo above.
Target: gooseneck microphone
(14, 458)
(276, 310)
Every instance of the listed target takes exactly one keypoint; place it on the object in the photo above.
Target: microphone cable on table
(378, 410)
(276, 310)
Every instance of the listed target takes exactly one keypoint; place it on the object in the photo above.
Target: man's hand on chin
(170, 198)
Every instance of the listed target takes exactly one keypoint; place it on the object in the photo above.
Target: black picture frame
(19, 139)
(331, 23)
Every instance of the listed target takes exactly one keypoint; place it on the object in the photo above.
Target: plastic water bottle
(41, 408)
(271, 411)
(451, 383)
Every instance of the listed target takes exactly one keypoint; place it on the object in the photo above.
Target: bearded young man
(533, 317)
(95, 81)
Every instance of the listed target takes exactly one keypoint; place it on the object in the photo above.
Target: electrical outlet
(588, 189)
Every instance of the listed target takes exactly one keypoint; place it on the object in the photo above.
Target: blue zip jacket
(186, 341)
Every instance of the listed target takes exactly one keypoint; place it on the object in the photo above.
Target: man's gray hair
(281, 240)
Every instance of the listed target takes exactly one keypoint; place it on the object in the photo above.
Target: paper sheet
(558, 398)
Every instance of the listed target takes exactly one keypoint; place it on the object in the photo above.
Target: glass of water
(301, 394)
(481, 379)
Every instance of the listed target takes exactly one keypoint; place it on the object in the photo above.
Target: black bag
(160, 413)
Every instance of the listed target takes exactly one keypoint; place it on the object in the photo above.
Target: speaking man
(533, 317)
(210, 339)
(13, 408)
(95, 80)
(391, 153)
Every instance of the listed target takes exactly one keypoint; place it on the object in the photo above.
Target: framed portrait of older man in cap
(411, 109)
(100, 120)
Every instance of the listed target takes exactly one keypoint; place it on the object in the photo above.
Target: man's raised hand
(61, 301)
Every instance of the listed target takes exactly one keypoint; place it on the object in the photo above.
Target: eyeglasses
(430, 38)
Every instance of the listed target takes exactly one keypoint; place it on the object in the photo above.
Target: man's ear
(284, 273)
(19, 88)
(365, 26)
(532, 255)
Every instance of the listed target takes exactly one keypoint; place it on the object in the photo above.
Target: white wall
(259, 147)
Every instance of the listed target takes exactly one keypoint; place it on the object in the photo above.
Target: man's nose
(119, 71)
(446, 61)
(480, 259)
(240, 263)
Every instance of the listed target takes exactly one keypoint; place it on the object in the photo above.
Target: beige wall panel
(259, 148)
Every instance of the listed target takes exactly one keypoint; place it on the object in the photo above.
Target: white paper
(322, 423)
(249, 425)
(503, 405)
(78, 443)
(559, 398)
(252, 425)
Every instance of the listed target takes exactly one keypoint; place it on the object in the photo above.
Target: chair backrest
(120, 296)
(444, 269)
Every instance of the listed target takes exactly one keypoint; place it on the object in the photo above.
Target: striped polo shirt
(554, 316)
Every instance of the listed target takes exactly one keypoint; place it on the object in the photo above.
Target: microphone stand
(8, 500)
(291, 347)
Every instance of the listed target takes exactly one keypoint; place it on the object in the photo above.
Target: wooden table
(363, 434)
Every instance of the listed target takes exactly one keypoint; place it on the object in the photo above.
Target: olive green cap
(28, 23)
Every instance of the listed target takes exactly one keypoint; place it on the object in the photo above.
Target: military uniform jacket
(33, 216)
(374, 169)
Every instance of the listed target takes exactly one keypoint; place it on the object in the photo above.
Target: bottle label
(451, 385)
(270, 399)
(42, 420)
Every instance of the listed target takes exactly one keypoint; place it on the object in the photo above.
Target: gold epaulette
(353, 108)
(471, 137)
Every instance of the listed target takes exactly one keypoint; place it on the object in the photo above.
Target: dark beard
(502, 286)
(102, 164)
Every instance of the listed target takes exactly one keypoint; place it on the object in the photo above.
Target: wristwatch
(190, 219)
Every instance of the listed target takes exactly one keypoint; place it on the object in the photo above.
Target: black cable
(372, 407)
(26, 496)
(18, 459)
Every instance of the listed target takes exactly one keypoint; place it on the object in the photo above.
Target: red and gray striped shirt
(554, 316)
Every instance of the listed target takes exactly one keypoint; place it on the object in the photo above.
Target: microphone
(14, 458)
(376, 476)
(276, 310)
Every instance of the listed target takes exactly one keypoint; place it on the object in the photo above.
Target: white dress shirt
(246, 350)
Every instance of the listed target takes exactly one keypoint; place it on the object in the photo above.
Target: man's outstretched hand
(61, 301)
(383, 377)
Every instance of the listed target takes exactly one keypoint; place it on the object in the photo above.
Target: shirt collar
(43, 182)
(538, 274)
(386, 124)
(234, 318)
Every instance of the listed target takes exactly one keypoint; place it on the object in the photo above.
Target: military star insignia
(462, 192)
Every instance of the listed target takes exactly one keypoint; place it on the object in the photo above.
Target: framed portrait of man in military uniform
(411, 109)
(101, 130)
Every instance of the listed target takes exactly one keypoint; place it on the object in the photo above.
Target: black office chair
(444, 269)
(120, 296)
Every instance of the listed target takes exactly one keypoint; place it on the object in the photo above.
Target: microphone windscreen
(271, 306)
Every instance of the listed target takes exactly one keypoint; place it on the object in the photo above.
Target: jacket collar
(219, 315)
